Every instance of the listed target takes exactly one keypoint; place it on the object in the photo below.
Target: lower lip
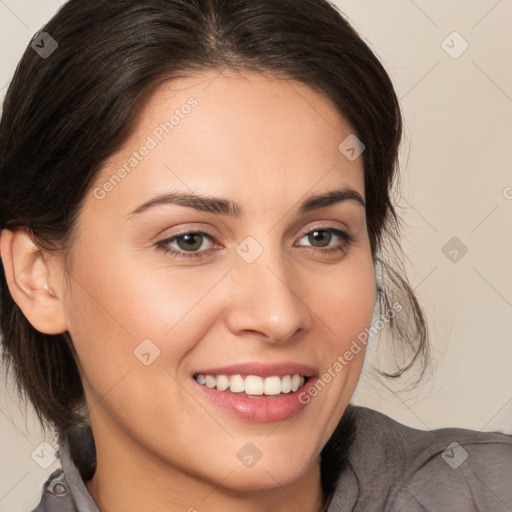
(261, 408)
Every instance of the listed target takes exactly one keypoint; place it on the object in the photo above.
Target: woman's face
(274, 290)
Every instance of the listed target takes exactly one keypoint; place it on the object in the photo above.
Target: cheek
(344, 301)
(118, 301)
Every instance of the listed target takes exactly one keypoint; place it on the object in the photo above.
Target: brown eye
(186, 245)
(320, 238)
(190, 241)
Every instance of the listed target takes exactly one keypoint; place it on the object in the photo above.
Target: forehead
(248, 107)
(236, 133)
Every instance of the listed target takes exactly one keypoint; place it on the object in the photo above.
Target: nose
(267, 300)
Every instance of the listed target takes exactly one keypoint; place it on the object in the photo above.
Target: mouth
(258, 393)
(253, 386)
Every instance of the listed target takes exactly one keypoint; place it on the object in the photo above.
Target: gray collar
(83, 499)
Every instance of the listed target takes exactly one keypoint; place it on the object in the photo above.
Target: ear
(28, 273)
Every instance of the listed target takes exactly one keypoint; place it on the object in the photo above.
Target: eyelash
(346, 241)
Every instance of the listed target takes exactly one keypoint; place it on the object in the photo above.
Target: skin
(267, 144)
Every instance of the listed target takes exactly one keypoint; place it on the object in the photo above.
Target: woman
(196, 221)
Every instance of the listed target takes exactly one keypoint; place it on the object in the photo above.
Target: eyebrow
(226, 207)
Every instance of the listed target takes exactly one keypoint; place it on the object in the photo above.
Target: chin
(274, 472)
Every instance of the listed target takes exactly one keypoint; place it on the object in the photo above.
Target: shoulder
(432, 470)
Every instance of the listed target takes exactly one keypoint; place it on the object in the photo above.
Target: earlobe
(28, 273)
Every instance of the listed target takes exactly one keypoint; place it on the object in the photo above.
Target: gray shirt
(390, 467)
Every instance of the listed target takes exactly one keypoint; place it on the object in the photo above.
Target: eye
(321, 237)
(188, 244)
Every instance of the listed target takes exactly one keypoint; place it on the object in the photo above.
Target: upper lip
(261, 369)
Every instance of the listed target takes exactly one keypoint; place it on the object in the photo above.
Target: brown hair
(65, 114)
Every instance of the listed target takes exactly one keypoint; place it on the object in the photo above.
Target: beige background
(456, 169)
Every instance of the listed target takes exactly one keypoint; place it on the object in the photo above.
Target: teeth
(211, 382)
(253, 384)
(222, 383)
(236, 384)
(296, 382)
(286, 384)
(272, 386)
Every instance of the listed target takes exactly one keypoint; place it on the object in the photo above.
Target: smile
(253, 385)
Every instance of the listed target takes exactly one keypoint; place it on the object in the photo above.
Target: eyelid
(322, 226)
